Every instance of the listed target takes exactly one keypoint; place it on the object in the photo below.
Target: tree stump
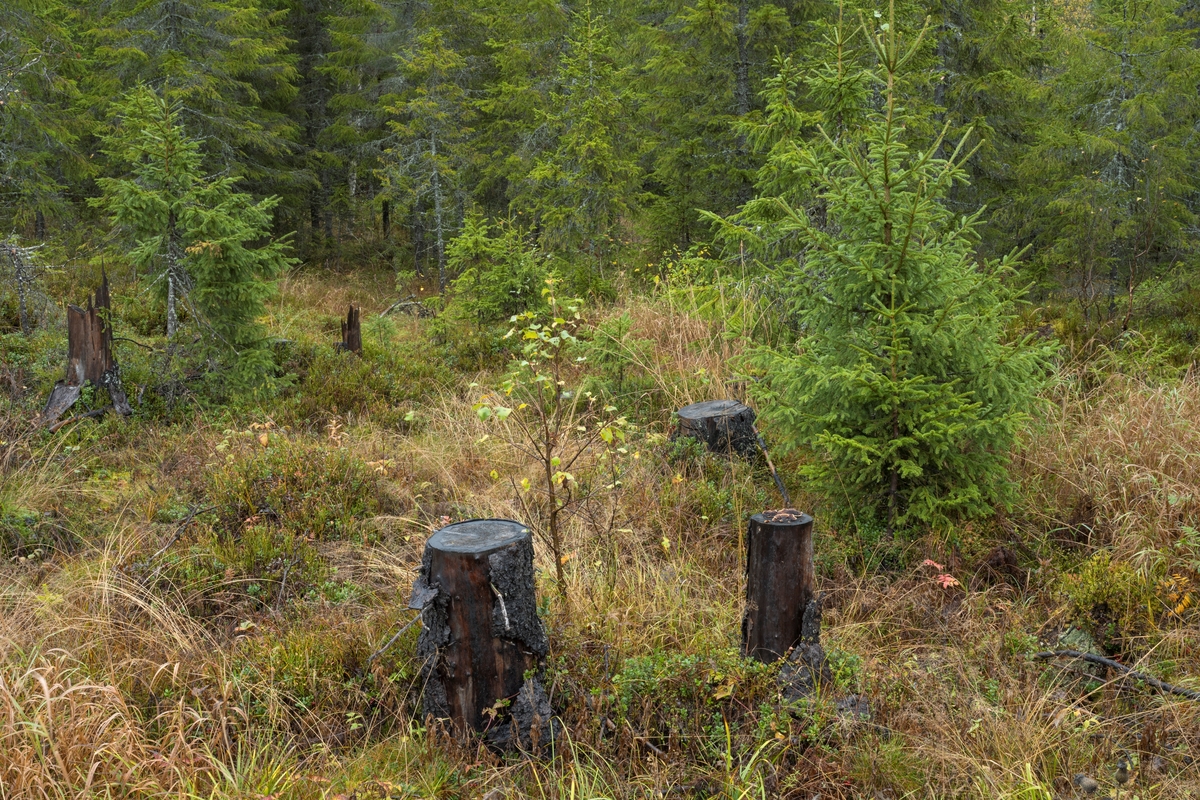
(780, 584)
(352, 332)
(481, 635)
(725, 426)
(89, 358)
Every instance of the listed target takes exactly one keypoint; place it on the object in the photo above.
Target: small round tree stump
(780, 583)
(725, 426)
(481, 635)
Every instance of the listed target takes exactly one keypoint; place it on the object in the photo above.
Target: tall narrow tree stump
(481, 636)
(725, 426)
(780, 583)
(89, 358)
(352, 332)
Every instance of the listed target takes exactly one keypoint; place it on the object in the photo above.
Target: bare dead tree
(25, 270)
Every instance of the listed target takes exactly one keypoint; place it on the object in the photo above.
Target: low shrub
(305, 489)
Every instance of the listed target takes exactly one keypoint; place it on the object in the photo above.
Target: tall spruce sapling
(195, 235)
(905, 381)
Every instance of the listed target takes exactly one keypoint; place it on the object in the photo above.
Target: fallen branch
(96, 412)
(408, 305)
(133, 341)
(646, 742)
(1092, 658)
(762, 445)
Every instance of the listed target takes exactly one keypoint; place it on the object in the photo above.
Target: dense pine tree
(224, 62)
(1107, 188)
(40, 162)
(587, 181)
(424, 169)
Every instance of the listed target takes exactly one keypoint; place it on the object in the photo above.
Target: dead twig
(1092, 658)
(283, 583)
(96, 412)
(179, 529)
(395, 636)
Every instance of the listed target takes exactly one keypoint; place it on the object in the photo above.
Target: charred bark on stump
(481, 634)
(89, 358)
(725, 426)
(352, 332)
(780, 583)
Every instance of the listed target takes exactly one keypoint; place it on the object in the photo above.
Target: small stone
(855, 705)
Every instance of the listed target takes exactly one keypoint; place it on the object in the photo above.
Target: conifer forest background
(948, 251)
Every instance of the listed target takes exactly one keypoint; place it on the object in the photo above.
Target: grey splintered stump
(725, 426)
(481, 634)
(780, 583)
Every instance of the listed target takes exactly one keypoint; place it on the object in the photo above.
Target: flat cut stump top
(478, 536)
(712, 408)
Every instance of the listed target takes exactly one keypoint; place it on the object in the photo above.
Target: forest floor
(190, 598)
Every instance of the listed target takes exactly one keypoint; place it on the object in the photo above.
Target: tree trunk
(437, 216)
(725, 426)
(20, 258)
(173, 258)
(386, 216)
(741, 90)
(780, 583)
(351, 190)
(326, 208)
(741, 85)
(352, 332)
(481, 634)
(418, 239)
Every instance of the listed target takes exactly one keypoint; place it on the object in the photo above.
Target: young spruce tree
(904, 381)
(194, 234)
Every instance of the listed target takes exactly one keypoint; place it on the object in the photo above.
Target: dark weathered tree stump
(352, 332)
(89, 358)
(780, 584)
(725, 426)
(481, 634)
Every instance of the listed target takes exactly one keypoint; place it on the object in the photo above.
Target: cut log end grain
(783, 516)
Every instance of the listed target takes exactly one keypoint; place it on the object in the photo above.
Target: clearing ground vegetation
(192, 598)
